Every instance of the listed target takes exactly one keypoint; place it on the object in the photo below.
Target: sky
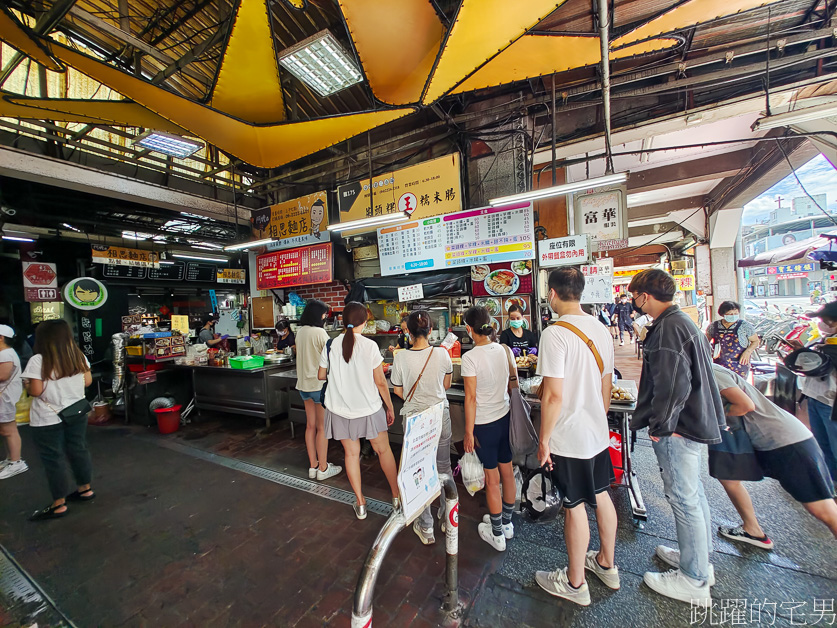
(818, 176)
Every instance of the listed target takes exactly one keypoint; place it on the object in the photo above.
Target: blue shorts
(492, 442)
(316, 396)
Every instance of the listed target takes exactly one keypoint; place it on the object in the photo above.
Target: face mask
(825, 329)
(516, 324)
(638, 308)
(731, 318)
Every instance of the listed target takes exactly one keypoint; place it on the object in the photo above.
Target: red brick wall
(332, 293)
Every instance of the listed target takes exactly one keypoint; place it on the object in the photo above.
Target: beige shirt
(310, 341)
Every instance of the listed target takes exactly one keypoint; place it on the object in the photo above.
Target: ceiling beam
(652, 210)
(695, 171)
(192, 55)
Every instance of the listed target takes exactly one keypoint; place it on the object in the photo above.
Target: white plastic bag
(473, 475)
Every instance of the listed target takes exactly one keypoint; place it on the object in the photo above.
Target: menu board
(168, 272)
(195, 271)
(477, 236)
(501, 279)
(125, 272)
(294, 267)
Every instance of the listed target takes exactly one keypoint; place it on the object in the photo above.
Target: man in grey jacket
(680, 405)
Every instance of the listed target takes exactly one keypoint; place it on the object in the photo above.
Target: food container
(135, 350)
(247, 362)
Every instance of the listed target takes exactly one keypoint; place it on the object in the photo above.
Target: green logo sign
(85, 293)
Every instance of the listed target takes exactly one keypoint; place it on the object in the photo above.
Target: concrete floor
(178, 538)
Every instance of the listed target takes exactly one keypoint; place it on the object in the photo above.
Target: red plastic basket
(168, 419)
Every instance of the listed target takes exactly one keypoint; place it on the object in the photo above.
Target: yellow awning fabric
(248, 85)
(397, 43)
(537, 55)
(112, 112)
(482, 29)
(14, 34)
(263, 146)
(688, 14)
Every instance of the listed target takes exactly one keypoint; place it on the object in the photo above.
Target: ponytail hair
(354, 315)
(419, 324)
(479, 320)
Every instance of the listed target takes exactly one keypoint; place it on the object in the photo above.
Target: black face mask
(637, 308)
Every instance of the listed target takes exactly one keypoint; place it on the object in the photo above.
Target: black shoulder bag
(328, 370)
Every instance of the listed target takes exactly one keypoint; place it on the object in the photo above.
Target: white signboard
(569, 251)
(610, 245)
(605, 265)
(418, 477)
(598, 287)
(603, 214)
(487, 235)
(411, 293)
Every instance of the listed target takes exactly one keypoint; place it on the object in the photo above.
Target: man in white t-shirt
(574, 438)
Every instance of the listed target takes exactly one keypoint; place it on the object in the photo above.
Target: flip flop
(48, 513)
(75, 496)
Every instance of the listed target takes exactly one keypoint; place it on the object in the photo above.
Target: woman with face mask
(517, 336)
(284, 336)
(733, 339)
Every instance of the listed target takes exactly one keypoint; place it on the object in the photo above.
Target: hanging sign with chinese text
(230, 275)
(476, 236)
(431, 188)
(685, 282)
(598, 286)
(602, 214)
(295, 267)
(40, 282)
(413, 292)
(574, 249)
(300, 221)
(121, 256)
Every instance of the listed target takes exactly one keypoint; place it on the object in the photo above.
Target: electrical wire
(795, 176)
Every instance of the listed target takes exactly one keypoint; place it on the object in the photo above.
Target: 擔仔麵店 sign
(293, 223)
(295, 267)
(121, 256)
(431, 188)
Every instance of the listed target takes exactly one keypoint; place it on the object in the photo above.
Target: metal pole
(554, 112)
(451, 603)
(604, 38)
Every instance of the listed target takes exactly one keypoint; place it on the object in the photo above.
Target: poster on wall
(295, 267)
(598, 285)
(502, 279)
(122, 256)
(40, 282)
(418, 476)
(498, 309)
(431, 188)
(293, 223)
(487, 235)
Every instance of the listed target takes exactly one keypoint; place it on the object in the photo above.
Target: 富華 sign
(684, 282)
(121, 256)
(572, 250)
(602, 215)
(293, 223)
(295, 267)
(418, 477)
(431, 188)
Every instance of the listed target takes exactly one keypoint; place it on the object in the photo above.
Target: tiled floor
(175, 540)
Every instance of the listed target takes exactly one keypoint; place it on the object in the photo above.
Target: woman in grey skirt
(357, 401)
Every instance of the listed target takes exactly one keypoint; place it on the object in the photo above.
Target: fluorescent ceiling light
(789, 118)
(200, 257)
(321, 63)
(248, 245)
(70, 227)
(139, 235)
(365, 223)
(168, 144)
(165, 263)
(17, 238)
(566, 188)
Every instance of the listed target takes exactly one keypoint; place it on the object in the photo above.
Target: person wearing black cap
(207, 336)
(821, 391)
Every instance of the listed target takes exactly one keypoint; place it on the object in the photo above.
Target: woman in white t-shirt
(486, 373)
(56, 377)
(420, 376)
(11, 387)
(311, 338)
(357, 401)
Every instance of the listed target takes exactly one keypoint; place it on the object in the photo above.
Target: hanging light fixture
(321, 63)
(566, 188)
(168, 144)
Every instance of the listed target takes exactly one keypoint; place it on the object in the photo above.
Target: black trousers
(57, 444)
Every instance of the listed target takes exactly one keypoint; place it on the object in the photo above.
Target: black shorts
(800, 469)
(581, 479)
(492, 442)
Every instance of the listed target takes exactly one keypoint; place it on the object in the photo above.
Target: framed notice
(477, 236)
(295, 267)
(569, 251)
(418, 477)
(598, 286)
(293, 223)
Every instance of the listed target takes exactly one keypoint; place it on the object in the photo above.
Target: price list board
(168, 272)
(295, 267)
(195, 271)
(125, 272)
(478, 236)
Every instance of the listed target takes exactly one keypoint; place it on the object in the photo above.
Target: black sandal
(77, 496)
(48, 513)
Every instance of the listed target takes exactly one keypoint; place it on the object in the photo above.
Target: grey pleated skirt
(341, 428)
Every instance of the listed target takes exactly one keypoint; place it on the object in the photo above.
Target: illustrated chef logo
(317, 217)
(407, 203)
(85, 293)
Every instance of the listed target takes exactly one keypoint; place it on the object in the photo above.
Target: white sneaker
(12, 469)
(487, 535)
(3, 463)
(609, 576)
(558, 584)
(508, 528)
(678, 586)
(312, 473)
(330, 472)
(671, 557)
(621, 343)
(427, 537)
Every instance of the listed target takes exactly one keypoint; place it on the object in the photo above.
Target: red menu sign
(294, 267)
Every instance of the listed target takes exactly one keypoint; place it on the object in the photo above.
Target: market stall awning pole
(604, 37)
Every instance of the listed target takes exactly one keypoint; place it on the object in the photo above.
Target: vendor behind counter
(517, 336)
(284, 337)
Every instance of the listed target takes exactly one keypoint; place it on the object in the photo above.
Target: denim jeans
(57, 444)
(825, 432)
(680, 463)
(443, 465)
